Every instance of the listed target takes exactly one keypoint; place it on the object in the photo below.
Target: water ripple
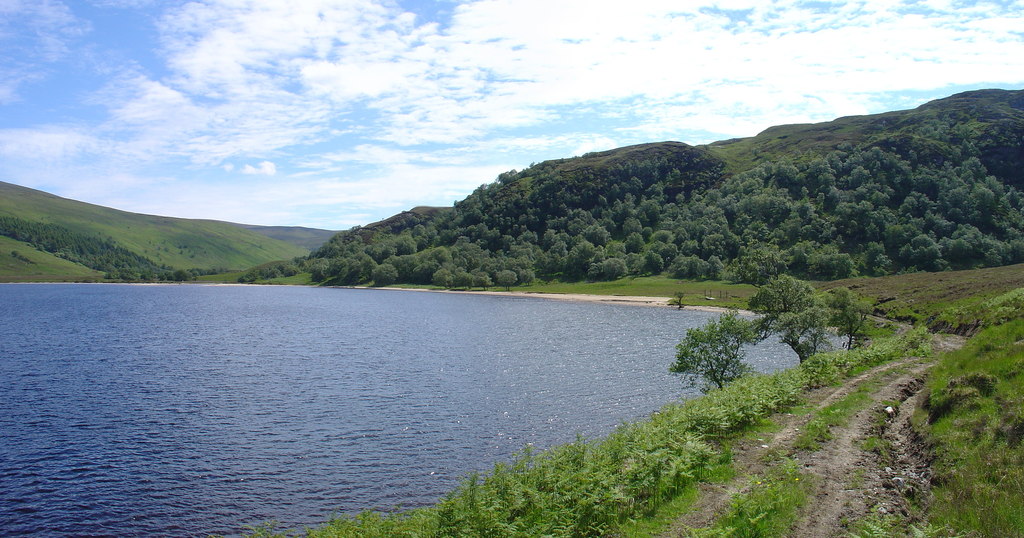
(188, 410)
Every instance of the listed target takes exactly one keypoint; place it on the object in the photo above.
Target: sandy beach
(628, 300)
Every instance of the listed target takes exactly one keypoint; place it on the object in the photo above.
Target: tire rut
(852, 482)
(750, 456)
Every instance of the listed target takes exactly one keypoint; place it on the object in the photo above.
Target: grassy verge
(632, 478)
(769, 507)
(975, 420)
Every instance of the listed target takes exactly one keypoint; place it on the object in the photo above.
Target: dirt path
(850, 481)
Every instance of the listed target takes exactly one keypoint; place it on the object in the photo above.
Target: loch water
(138, 410)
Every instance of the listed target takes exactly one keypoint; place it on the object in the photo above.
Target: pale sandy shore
(628, 300)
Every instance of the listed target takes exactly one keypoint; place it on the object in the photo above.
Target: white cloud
(265, 168)
(377, 106)
(46, 144)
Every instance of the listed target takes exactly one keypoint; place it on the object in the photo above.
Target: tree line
(853, 211)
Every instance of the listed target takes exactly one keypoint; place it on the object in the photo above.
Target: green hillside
(307, 238)
(986, 124)
(929, 189)
(22, 262)
(168, 242)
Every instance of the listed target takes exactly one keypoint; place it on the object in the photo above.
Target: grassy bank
(974, 418)
(595, 487)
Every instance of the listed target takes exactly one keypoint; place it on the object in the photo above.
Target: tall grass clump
(588, 487)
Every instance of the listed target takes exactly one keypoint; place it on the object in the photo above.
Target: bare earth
(850, 482)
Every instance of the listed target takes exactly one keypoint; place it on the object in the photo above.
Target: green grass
(179, 243)
(229, 277)
(819, 429)
(975, 420)
(32, 265)
(768, 508)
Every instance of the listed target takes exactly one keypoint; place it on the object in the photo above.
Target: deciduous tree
(791, 309)
(714, 352)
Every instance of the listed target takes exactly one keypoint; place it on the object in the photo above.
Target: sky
(337, 113)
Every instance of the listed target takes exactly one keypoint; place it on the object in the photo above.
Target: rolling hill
(163, 242)
(933, 188)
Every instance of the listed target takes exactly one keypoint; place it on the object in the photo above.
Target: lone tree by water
(792, 309)
(506, 278)
(849, 314)
(714, 352)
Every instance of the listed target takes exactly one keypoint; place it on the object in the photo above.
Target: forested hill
(932, 188)
(43, 229)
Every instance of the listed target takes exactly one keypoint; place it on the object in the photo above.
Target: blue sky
(335, 113)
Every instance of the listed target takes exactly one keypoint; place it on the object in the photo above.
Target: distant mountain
(106, 240)
(936, 187)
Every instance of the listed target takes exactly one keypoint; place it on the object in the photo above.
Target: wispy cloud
(33, 35)
(265, 168)
(383, 104)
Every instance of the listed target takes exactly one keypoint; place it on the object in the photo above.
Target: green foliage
(714, 352)
(792, 309)
(269, 271)
(385, 274)
(974, 414)
(848, 314)
(830, 367)
(881, 198)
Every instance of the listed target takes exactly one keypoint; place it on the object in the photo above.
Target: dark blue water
(187, 410)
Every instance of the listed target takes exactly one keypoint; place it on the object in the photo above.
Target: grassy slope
(946, 301)
(308, 238)
(179, 243)
(41, 266)
(975, 421)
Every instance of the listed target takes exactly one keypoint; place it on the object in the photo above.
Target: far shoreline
(623, 300)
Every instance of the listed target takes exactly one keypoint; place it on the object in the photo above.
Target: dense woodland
(925, 190)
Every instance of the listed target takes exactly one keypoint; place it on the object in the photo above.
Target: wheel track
(835, 503)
